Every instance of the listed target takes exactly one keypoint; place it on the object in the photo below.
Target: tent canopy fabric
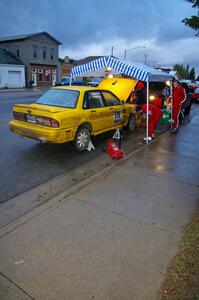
(113, 66)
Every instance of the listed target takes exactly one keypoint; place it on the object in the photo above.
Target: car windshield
(59, 97)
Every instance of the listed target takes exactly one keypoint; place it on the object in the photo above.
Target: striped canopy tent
(114, 66)
(111, 65)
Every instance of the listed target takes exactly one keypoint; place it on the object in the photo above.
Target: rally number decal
(117, 116)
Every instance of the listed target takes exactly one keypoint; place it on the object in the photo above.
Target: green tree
(187, 71)
(192, 74)
(193, 22)
(184, 72)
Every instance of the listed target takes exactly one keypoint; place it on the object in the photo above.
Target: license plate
(31, 119)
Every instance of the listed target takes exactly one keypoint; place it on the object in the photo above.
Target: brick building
(65, 66)
(39, 52)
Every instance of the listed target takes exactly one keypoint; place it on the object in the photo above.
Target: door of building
(53, 79)
(14, 79)
(34, 78)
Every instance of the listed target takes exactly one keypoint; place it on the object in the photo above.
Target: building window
(18, 54)
(35, 51)
(44, 53)
(51, 53)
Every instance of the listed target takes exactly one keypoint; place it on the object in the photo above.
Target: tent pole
(147, 113)
(171, 91)
(70, 80)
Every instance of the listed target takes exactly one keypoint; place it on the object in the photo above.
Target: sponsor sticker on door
(117, 116)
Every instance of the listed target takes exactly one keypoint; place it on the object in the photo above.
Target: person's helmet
(140, 85)
(158, 102)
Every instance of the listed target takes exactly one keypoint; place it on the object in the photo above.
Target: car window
(93, 100)
(197, 90)
(65, 80)
(110, 99)
(59, 97)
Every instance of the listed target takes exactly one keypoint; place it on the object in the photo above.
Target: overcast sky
(91, 27)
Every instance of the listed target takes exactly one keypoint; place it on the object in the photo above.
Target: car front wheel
(82, 138)
(131, 123)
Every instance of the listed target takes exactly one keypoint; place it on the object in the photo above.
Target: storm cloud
(92, 27)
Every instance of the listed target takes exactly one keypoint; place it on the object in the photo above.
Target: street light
(125, 51)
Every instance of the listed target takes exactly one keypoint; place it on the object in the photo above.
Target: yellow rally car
(74, 113)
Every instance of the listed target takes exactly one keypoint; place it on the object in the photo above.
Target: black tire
(82, 138)
(131, 123)
(187, 110)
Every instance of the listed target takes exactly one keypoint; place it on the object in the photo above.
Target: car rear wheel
(82, 138)
(131, 123)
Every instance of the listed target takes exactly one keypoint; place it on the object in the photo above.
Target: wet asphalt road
(25, 163)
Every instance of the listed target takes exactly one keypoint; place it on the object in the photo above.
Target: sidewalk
(9, 90)
(114, 238)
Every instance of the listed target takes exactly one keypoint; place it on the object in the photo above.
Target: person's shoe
(174, 130)
(149, 139)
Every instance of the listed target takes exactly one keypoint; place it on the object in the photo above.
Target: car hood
(121, 87)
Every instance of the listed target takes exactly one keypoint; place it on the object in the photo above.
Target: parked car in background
(195, 95)
(94, 82)
(186, 106)
(66, 81)
(74, 113)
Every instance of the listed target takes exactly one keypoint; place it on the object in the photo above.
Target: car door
(95, 111)
(114, 109)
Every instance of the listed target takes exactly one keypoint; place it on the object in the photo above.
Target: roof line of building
(26, 36)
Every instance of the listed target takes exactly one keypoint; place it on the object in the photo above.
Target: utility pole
(125, 54)
(112, 50)
(145, 57)
(127, 50)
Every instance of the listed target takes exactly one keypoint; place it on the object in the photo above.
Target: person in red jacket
(154, 113)
(179, 96)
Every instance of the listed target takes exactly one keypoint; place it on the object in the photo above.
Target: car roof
(75, 88)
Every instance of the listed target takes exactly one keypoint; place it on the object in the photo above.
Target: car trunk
(30, 112)
(38, 108)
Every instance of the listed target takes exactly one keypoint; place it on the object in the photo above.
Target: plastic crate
(166, 116)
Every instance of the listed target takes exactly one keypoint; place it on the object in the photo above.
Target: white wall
(12, 76)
